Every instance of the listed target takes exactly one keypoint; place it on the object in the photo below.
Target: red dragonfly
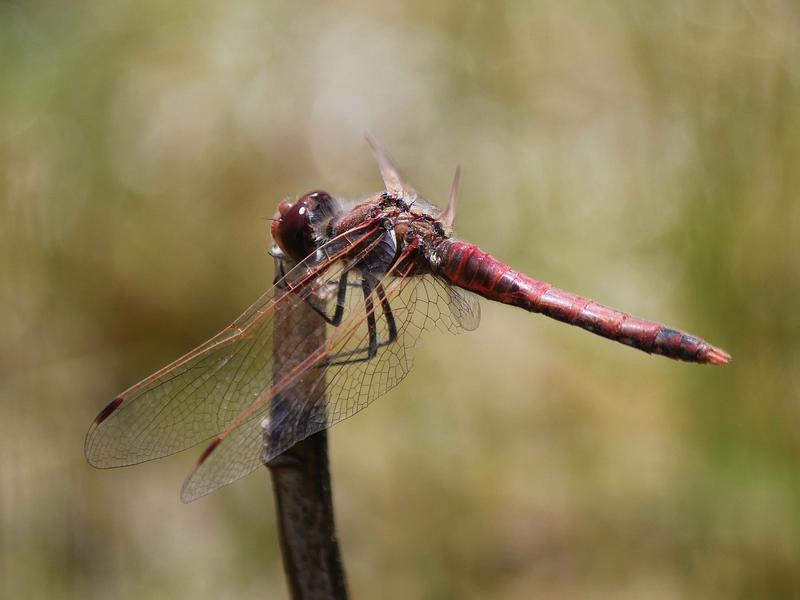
(377, 273)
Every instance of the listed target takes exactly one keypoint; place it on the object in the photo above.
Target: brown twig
(301, 478)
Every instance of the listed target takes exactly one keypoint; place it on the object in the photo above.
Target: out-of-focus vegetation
(646, 154)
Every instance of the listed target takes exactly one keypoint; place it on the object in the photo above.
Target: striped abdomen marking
(468, 267)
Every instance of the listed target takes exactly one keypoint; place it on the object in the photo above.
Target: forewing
(419, 303)
(200, 394)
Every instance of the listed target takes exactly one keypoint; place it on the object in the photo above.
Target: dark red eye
(295, 231)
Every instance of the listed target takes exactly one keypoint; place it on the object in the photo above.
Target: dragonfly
(375, 275)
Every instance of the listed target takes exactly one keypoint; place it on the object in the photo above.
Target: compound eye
(321, 204)
(294, 231)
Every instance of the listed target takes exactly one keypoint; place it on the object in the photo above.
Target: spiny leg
(341, 297)
(341, 293)
(373, 345)
(388, 315)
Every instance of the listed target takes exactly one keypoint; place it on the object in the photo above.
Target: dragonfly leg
(371, 350)
(387, 313)
(341, 295)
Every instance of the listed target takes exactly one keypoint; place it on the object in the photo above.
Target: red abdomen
(469, 267)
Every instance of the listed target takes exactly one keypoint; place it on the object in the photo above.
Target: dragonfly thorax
(419, 233)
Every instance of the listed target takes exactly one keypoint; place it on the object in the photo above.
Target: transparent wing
(464, 306)
(394, 183)
(414, 304)
(198, 395)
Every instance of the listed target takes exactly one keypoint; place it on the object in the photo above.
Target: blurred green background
(646, 154)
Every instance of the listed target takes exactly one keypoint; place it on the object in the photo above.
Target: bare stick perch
(301, 478)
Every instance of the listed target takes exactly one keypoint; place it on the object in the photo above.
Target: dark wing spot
(106, 412)
(207, 452)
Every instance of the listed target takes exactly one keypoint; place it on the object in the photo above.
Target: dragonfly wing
(187, 402)
(394, 183)
(464, 306)
(417, 304)
(198, 395)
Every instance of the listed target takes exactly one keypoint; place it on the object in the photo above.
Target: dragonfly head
(300, 225)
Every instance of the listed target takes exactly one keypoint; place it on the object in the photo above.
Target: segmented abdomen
(469, 267)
